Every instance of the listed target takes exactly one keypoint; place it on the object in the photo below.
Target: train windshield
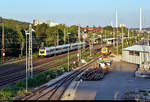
(41, 51)
(42, 48)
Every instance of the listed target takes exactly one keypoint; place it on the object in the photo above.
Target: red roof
(98, 29)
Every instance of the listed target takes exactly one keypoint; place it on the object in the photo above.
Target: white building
(136, 54)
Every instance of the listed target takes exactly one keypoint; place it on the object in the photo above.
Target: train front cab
(42, 52)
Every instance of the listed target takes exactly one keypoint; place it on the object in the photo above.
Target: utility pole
(57, 38)
(3, 41)
(26, 62)
(148, 39)
(93, 40)
(84, 40)
(128, 34)
(79, 52)
(68, 51)
(30, 40)
(117, 42)
(113, 37)
(105, 34)
(122, 37)
(90, 49)
(64, 36)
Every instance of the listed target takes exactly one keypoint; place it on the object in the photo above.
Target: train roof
(61, 46)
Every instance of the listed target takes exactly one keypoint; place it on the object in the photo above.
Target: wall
(134, 59)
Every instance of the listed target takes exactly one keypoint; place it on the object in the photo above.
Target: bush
(98, 54)
(72, 66)
(59, 71)
(65, 66)
(53, 74)
(6, 93)
(21, 83)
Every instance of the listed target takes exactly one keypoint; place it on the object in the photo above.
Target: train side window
(137, 53)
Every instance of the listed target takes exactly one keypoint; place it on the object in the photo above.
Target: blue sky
(84, 12)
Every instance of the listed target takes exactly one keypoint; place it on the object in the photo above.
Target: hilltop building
(48, 22)
(36, 22)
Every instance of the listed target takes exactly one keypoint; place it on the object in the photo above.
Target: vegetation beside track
(9, 92)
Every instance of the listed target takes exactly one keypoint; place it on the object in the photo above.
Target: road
(114, 84)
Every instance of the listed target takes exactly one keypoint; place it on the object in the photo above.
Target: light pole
(3, 41)
(29, 64)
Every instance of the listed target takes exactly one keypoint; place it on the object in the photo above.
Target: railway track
(56, 90)
(40, 62)
(37, 62)
(10, 79)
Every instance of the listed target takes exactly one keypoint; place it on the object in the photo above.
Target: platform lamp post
(3, 46)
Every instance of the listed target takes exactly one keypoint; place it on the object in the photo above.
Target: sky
(83, 12)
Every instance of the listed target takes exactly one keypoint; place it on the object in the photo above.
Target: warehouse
(136, 54)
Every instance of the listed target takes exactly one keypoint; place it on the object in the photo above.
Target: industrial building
(136, 54)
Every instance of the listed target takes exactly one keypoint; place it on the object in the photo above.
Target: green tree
(41, 31)
(51, 36)
(73, 30)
